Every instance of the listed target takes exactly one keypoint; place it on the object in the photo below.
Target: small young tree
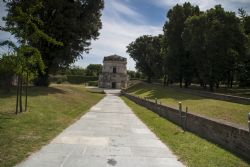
(28, 59)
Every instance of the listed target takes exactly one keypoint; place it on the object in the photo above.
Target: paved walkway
(109, 135)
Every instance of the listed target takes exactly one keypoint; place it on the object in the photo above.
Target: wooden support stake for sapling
(249, 121)
(155, 100)
(180, 110)
(186, 118)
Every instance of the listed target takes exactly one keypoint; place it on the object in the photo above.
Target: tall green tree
(73, 22)
(178, 58)
(243, 74)
(216, 44)
(145, 51)
(164, 56)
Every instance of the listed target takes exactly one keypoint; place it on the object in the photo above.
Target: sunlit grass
(51, 110)
(191, 149)
(228, 111)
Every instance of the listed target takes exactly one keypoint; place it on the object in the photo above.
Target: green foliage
(92, 83)
(75, 71)
(216, 44)
(209, 48)
(93, 69)
(135, 75)
(7, 71)
(244, 67)
(29, 62)
(145, 51)
(57, 78)
(73, 23)
(179, 63)
(24, 22)
(74, 79)
(78, 79)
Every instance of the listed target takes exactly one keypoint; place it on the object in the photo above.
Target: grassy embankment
(50, 110)
(191, 149)
(231, 112)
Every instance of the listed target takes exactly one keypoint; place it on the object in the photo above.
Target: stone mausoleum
(114, 72)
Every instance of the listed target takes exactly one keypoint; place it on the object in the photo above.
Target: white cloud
(117, 33)
(230, 5)
(203, 4)
(122, 9)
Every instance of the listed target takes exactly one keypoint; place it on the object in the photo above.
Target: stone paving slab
(109, 135)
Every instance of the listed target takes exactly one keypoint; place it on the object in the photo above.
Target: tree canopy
(145, 51)
(73, 23)
(209, 48)
(93, 69)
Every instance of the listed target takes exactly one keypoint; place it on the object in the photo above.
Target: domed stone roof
(114, 58)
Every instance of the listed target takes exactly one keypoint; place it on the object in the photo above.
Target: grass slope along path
(227, 111)
(51, 110)
(192, 150)
(108, 135)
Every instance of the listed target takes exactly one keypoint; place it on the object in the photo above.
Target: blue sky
(125, 20)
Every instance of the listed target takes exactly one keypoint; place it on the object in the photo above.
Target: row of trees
(90, 70)
(209, 48)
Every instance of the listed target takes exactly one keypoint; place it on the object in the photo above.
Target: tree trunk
(205, 86)
(232, 80)
(165, 80)
(217, 85)
(26, 91)
(180, 82)
(149, 79)
(186, 84)
(17, 93)
(43, 79)
(21, 94)
(211, 87)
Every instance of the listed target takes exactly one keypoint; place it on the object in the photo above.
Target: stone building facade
(114, 72)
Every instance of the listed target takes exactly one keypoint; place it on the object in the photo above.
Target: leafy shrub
(74, 79)
(93, 83)
(57, 78)
(78, 79)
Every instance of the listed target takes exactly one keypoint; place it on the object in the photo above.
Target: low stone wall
(229, 136)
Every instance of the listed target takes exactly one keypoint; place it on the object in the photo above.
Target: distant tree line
(135, 75)
(90, 70)
(77, 75)
(206, 47)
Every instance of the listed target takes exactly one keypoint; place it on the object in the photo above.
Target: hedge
(93, 83)
(74, 79)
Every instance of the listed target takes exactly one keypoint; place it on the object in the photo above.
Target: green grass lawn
(235, 91)
(228, 111)
(191, 149)
(51, 110)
